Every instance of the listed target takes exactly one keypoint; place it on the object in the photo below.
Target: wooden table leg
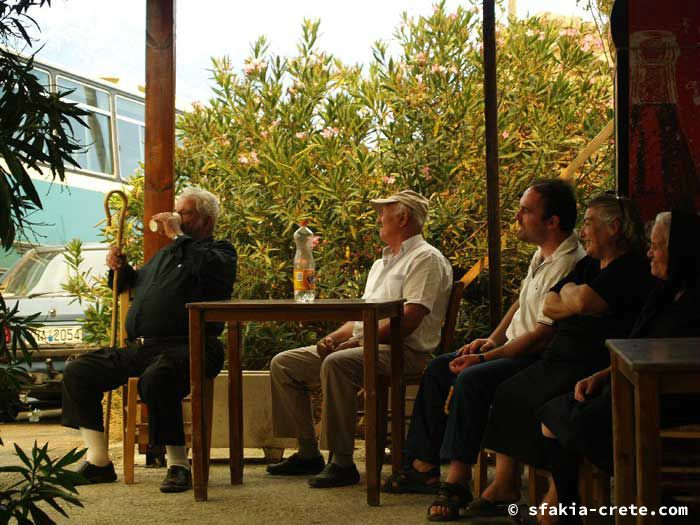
(373, 464)
(648, 447)
(196, 384)
(623, 440)
(398, 394)
(235, 403)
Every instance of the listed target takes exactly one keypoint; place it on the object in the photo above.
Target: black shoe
(335, 476)
(295, 465)
(178, 479)
(93, 474)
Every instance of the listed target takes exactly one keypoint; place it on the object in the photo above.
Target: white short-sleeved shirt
(420, 274)
(544, 272)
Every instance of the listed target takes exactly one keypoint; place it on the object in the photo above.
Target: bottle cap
(303, 222)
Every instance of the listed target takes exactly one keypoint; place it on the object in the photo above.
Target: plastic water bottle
(304, 275)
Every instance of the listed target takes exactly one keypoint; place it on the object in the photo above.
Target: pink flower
(329, 133)
(419, 78)
(421, 58)
(389, 180)
(274, 123)
(254, 157)
(569, 31)
(425, 170)
(314, 240)
(264, 134)
(300, 135)
(541, 36)
(435, 68)
(529, 32)
(505, 135)
(253, 65)
(243, 159)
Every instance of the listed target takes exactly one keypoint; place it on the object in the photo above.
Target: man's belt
(143, 341)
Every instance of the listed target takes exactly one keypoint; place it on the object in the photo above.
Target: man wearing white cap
(410, 268)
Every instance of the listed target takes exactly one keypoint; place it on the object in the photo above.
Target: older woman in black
(582, 421)
(600, 299)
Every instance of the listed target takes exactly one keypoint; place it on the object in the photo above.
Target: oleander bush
(308, 137)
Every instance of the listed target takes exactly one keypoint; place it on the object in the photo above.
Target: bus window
(43, 78)
(96, 138)
(130, 135)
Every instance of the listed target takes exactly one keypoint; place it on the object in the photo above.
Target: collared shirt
(184, 271)
(544, 272)
(420, 274)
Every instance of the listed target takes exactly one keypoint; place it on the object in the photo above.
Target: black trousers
(164, 380)
(434, 436)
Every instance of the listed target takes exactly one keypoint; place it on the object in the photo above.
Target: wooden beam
(160, 117)
(491, 136)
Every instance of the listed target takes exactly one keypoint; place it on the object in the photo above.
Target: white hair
(205, 202)
(401, 207)
(663, 221)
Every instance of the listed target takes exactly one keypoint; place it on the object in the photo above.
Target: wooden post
(491, 136)
(160, 117)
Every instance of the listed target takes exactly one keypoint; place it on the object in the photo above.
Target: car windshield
(44, 272)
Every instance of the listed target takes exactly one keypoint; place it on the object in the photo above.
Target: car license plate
(59, 335)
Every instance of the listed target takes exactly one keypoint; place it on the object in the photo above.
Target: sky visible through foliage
(104, 38)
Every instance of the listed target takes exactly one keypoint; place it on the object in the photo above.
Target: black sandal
(452, 496)
(412, 481)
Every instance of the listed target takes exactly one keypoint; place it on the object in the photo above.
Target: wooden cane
(115, 289)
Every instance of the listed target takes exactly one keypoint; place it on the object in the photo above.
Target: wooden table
(643, 370)
(237, 311)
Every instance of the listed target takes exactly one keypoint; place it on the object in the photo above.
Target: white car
(35, 282)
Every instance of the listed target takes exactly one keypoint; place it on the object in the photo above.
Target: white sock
(96, 447)
(177, 455)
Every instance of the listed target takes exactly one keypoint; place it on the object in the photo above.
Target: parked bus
(113, 148)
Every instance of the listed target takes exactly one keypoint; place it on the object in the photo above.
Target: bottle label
(304, 280)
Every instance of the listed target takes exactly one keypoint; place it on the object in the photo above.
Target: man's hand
(353, 342)
(326, 346)
(588, 387)
(169, 224)
(477, 346)
(464, 361)
(115, 259)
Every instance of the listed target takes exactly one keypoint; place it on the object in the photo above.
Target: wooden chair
(135, 412)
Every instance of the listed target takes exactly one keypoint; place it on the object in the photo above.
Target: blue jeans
(434, 436)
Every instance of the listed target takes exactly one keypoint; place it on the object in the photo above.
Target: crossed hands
(328, 345)
(468, 355)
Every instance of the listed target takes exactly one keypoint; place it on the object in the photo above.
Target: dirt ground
(260, 499)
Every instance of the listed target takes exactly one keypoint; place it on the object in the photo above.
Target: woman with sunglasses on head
(579, 424)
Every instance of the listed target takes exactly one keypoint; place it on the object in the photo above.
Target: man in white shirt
(410, 268)
(449, 426)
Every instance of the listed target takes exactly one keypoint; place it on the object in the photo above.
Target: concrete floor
(261, 498)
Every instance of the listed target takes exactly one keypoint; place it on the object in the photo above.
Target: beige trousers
(296, 373)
